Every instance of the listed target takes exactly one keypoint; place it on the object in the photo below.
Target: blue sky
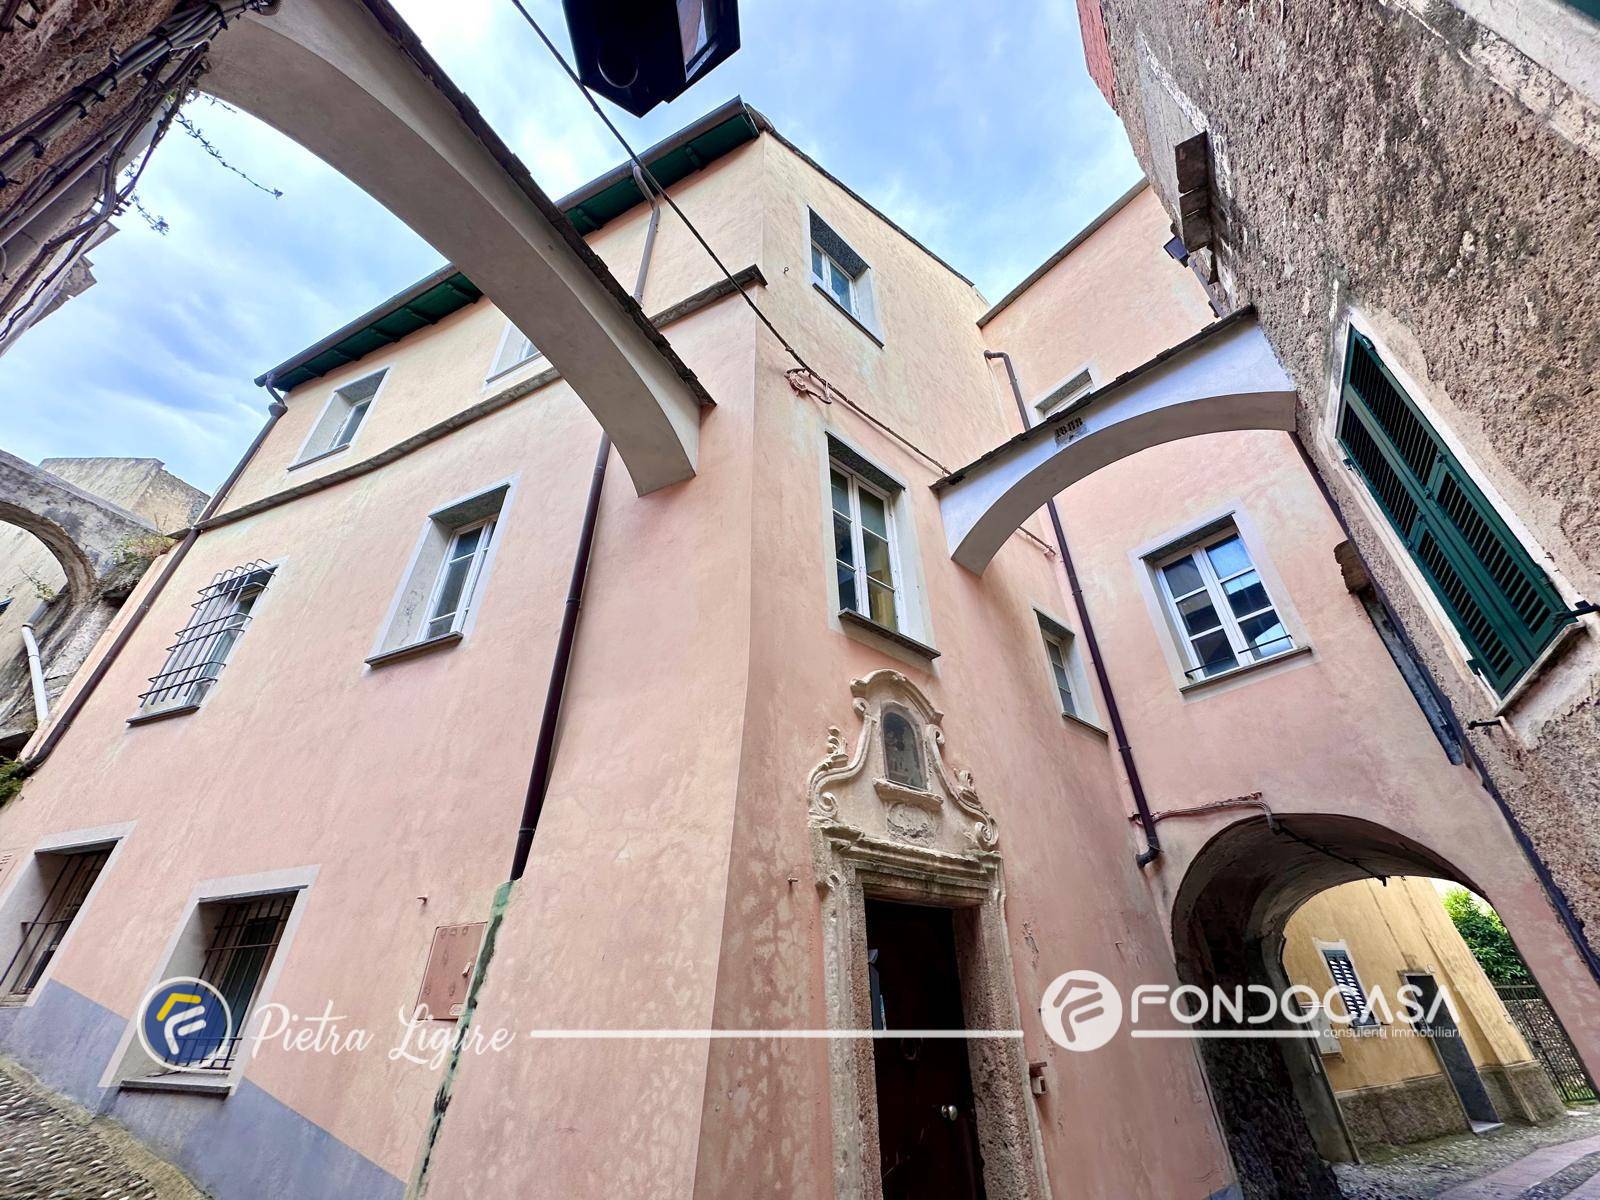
(975, 127)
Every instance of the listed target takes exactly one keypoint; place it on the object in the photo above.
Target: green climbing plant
(1485, 934)
(12, 773)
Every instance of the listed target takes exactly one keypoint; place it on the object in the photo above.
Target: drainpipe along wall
(172, 560)
(1152, 842)
(544, 749)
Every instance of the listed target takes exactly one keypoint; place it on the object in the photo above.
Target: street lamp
(641, 53)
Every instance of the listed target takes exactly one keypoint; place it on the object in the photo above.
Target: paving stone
(1503, 1164)
(48, 1152)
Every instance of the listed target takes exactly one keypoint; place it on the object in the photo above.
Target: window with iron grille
(1501, 603)
(1345, 979)
(70, 878)
(244, 937)
(196, 659)
(1219, 605)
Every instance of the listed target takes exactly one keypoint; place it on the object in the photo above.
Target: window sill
(161, 714)
(850, 316)
(318, 457)
(1082, 723)
(1531, 676)
(857, 621)
(199, 1085)
(427, 646)
(1200, 685)
(491, 380)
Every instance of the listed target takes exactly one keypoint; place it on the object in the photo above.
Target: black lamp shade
(641, 53)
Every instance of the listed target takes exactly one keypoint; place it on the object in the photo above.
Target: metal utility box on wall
(449, 971)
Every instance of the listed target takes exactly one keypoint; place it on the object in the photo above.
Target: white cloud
(976, 129)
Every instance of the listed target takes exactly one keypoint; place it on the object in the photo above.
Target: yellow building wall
(1391, 929)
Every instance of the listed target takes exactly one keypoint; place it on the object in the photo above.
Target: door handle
(949, 1112)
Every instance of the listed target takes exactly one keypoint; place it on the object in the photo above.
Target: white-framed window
(458, 578)
(864, 550)
(1058, 649)
(342, 417)
(842, 274)
(1219, 605)
(1076, 386)
(833, 279)
(446, 579)
(195, 661)
(1342, 969)
(515, 349)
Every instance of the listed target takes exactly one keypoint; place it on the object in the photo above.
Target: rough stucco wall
(1390, 930)
(72, 40)
(1367, 162)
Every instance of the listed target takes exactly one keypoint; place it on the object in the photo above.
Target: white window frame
(853, 307)
(1212, 585)
(498, 367)
(857, 484)
(469, 587)
(322, 439)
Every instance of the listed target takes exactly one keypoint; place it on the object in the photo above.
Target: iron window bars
(241, 949)
(196, 659)
(42, 936)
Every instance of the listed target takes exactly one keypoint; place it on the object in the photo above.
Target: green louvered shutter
(1502, 604)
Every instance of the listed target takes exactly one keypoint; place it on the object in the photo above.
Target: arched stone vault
(89, 536)
(350, 82)
(1224, 378)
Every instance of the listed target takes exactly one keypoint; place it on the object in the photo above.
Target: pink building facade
(810, 774)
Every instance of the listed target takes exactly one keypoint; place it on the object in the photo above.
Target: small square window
(343, 417)
(1219, 606)
(446, 578)
(841, 274)
(516, 348)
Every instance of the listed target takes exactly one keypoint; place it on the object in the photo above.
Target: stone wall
(1361, 159)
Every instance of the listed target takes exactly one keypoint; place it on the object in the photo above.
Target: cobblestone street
(52, 1151)
(1559, 1161)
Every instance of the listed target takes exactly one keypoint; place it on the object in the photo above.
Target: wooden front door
(927, 1128)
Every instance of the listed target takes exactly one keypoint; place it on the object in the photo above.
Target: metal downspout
(1152, 841)
(1552, 890)
(41, 702)
(555, 691)
(173, 559)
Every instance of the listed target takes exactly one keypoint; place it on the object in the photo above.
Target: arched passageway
(1278, 1112)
